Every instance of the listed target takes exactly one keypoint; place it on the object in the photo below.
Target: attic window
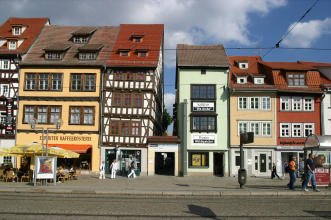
(137, 39)
(258, 81)
(12, 45)
(53, 56)
(80, 39)
(241, 80)
(125, 53)
(296, 79)
(17, 31)
(243, 65)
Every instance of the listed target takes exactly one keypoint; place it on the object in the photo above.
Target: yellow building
(60, 80)
(252, 109)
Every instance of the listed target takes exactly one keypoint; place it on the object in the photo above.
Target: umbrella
(32, 149)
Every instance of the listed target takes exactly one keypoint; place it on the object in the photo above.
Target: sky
(244, 27)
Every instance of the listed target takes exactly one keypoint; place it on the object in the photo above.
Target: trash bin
(242, 176)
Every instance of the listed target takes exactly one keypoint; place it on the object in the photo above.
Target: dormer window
(80, 40)
(143, 50)
(124, 53)
(296, 79)
(56, 51)
(243, 65)
(241, 80)
(17, 31)
(83, 34)
(12, 45)
(258, 80)
(89, 51)
(138, 37)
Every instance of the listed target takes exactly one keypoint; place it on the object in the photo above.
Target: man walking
(113, 168)
(293, 178)
(310, 175)
(102, 170)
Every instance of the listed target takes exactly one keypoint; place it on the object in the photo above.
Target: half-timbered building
(16, 37)
(60, 79)
(133, 95)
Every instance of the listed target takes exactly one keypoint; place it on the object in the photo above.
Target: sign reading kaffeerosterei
(67, 138)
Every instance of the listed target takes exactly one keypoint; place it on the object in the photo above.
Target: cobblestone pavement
(87, 206)
(166, 185)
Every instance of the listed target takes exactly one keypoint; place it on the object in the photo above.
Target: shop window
(199, 159)
(127, 156)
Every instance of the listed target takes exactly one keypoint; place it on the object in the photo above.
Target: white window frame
(19, 31)
(254, 105)
(256, 127)
(297, 130)
(258, 80)
(243, 65)
(3, 92)
(311, 103)
(266, 103)
(5, 64)
(305, 128)
(296, 103)
(241, 78)
(241, 101)
(288, 129)
(12, 45)
(287, 103)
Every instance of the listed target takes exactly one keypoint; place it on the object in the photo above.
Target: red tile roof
(314, 64)
(287, 66)
(34, 26)
(152, 38)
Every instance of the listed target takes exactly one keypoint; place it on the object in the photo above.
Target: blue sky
(245, 24)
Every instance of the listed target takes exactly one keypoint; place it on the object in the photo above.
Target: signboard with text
(203, 107)
(204, 140)
(10, 119)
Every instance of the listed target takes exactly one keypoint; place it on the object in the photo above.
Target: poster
(45, 167)
(322, 174)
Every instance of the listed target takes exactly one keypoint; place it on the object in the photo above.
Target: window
(81, 115)
(83, 56)
(203, 92)
(30, 82)
(254, 103)
(203, 123)
(43, 114)
(43, 82)
(88, 80)
(56, 82)
(296, 130)
(76, 40)
(125, 128)
(242, 102)
(266, 129)
(49, 56)
(259, 128)
(84, 39)
(124, 54)
(7, 159)
(308, 129)
(241, 80)
(296, 79)
(137, 100)
(243, 65)
(17, 31)
(285, 130)
(119, 75)
(285, 103)
(266, 103)
(12, 44)
(308, 104)
(91, 56)
(199, 159)
(137, 39)
(53, 56)
(117, 99)
(140, 76)
(203, 72)
(57, 56)
(129, 76)
(258, 80)
(4, 90)
(127, 99)
(296, 103)
(114, 127)
(5, 64)
(3, 117)
(142, 54)
(135, 128)
(80, 39)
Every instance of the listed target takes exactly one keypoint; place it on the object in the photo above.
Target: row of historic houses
(104, 86)
(220, 96)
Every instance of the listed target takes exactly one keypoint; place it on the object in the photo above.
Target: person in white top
(113, 168)
(102, 170)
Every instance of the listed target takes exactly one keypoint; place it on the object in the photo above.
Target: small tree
(166, 120)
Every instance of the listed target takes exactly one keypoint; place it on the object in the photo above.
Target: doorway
(219, 164)
(109, 160)
(164, 163)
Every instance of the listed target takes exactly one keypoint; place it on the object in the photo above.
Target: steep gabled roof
(202, 55)
(152, 38)
(34, 27)
(60, 37)
(254, 70)
(278, 71)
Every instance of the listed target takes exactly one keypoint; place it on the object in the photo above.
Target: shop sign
(292, 142)
(205, 140)
(203, 106)
(67, 138)
(173, 147)
(9, 119)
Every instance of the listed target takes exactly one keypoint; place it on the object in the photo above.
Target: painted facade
(202, 109)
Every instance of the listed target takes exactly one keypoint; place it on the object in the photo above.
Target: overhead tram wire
(277, 45)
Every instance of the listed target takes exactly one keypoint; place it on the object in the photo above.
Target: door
(218, 164)
(109, 160)
(263, 163)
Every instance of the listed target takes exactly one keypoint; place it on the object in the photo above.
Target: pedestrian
(102, 170)
(293, 178)
(274, 171)
(113, 168)
(309, 173)
(132, 170)
(285, 169)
